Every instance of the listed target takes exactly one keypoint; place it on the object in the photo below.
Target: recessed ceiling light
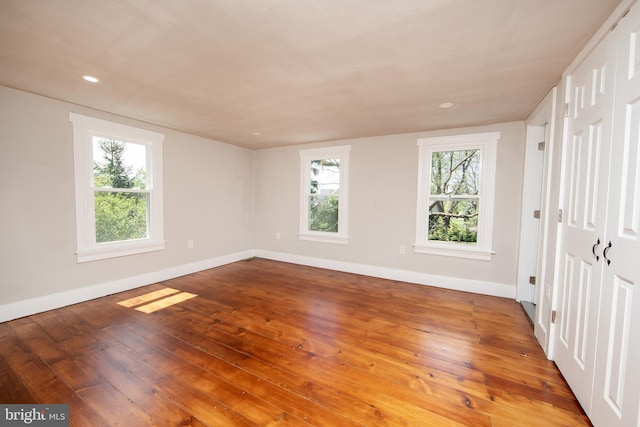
(91, 79)
(256, 133)
(445, 105)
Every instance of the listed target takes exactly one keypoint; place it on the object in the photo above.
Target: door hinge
(618, 21)
(541, 146)
(536, 214)
(532, 280)
(559, 215)
(566, 109)
(554, 314)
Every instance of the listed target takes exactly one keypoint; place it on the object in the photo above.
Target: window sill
(325, 238)
(111, 250)
(454, 251)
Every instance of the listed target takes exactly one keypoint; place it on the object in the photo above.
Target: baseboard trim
(15, 310)
(447, 282)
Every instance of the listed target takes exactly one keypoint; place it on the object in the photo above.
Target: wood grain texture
(269, 343)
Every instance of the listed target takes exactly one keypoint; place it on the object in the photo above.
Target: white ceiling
(296, 71)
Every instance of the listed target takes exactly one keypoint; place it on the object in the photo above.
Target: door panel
(593, 179)
(574, 186)
(617, 345)
(629, 183)
(582, 356)
(565, 321)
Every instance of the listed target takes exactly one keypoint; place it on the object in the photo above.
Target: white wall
(382, 213)
(207, 198)
(231, 202)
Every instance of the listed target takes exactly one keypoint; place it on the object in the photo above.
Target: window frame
(306, 157)
(487, 143)
(84, 129)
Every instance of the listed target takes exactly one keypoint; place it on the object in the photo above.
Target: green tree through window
(453, 199)
(324, 195)
(456, 185)
(121, 204)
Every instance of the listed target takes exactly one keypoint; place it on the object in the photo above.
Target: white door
(530, 223)
(617, 382)
(585, 166)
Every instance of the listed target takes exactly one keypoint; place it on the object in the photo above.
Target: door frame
(532, 199)
(542, 118)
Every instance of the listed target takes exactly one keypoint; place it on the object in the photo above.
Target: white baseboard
(15, 310)
(447, 282)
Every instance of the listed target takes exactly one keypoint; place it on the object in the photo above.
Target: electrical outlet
(277, 235)
(402, 249)
(189, 244)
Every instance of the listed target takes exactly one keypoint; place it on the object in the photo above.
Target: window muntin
(323, 211)
(118, 172)
(455, 195)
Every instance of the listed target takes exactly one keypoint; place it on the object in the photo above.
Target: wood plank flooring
(267, 343)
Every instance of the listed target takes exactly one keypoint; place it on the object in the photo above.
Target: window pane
(453, 220)
(455, 172)
(323, 213)
(120, 216)
(325, 176)
(119, 164)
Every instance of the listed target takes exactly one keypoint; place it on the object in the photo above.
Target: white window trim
(306, 157)
(487, 143)
(84, 129)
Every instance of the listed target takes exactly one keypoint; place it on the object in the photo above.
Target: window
(455, 195)
(118, 175)
(324, 194)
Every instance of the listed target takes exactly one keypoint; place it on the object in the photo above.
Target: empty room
(320, 213)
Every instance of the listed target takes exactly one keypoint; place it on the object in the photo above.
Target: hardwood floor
(269, 343)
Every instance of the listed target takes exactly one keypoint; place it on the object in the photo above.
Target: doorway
(532, 211)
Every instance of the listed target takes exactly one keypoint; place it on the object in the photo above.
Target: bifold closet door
(616, 397)
(585, 169)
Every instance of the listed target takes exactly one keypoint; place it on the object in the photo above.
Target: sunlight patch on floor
(165, 302)
(148, 297)
(156, 300)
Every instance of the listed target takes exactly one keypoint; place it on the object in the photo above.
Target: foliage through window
(121, 197)
(118, 189)
(324, 197)
(324, 175)
(456, 185)
(453, 200)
